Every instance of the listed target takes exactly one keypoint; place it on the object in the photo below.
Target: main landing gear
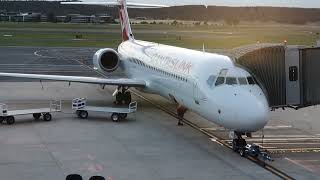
(123, 96)
(181, 110)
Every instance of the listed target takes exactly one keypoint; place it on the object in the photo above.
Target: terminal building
(20, 17)
(38, 17)
(81, 19)
(99, 18)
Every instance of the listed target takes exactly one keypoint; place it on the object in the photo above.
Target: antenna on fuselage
(203, 48)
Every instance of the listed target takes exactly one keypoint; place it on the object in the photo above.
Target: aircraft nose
(254, 114)
(239, 109)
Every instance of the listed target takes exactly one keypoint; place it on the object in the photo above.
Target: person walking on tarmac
(181, 111)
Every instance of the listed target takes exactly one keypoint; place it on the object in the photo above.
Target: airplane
(211, 85)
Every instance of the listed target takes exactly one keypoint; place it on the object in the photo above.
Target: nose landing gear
(238, 143)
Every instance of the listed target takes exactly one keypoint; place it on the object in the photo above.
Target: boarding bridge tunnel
(290, 75)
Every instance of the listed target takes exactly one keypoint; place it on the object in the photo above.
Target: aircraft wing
(80, 79)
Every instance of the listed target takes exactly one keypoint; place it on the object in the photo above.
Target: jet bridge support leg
(181, 110)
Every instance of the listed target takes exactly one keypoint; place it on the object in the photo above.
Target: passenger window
(210, 80)
(250, 80)
(219, 81)
(231, 81)
(242, 81)
(293, 73)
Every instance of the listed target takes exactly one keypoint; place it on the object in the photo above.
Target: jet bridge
(290, 75)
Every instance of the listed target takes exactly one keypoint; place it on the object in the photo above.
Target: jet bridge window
(219, 81)
(293, 73)
(231, 81)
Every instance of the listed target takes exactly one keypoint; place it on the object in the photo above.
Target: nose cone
(241, 110)
(253, 115)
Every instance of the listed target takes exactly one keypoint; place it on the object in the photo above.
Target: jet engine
(106, 60)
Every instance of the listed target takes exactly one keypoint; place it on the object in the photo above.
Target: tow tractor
(8, 116)
(117, 113)
(252, 150)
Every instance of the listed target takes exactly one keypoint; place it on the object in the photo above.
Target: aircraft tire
(47, 117)
(115, 117)
(36, 116)
(2, 119)
(83, 114)
(10, 120)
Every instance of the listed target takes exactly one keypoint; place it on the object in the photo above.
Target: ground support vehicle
(117, 113)
(8, 116)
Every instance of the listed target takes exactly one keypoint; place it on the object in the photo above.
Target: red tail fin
(124, 20)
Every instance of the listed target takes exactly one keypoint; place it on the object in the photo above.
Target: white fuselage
(191, 79)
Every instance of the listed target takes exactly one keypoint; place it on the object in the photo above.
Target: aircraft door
(292, 76)
(196, 92)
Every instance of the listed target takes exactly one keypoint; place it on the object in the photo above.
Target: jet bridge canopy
(310, 67)
(266, 62)
(289, 75)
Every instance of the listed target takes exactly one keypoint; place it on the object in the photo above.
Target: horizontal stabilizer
(115, 3)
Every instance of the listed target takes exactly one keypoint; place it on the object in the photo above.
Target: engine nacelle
(106, 60)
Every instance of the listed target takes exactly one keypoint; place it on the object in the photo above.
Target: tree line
(196, 13)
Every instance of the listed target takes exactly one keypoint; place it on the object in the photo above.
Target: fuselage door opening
(196, 92)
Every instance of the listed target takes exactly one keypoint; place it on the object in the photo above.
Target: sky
(278, 3)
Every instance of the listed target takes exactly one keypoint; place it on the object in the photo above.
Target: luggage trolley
(117, 113)
(8, 116)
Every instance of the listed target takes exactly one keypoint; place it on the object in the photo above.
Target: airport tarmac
(148, 145)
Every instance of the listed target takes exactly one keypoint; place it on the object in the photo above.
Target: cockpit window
(250, 80)
(219, 81)
(210, 80)
(242, 81)
(231, 81)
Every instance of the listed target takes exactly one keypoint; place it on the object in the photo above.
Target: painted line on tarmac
(287, 136)
(214, 129)
(294, 150)
(279, 139)
(298, 149)
(36, 53)
(296, 162)
(292, 143)
(265, 147)
(216, 141)
(266, 127)
(311, 160)
(278, 127)
(285, 139)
